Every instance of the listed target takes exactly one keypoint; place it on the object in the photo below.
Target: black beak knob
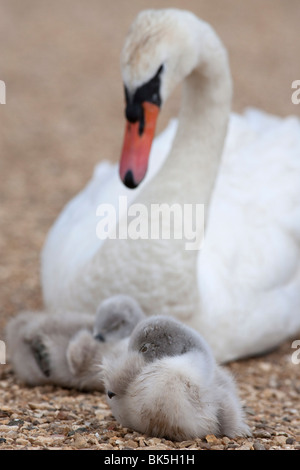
(129, 180)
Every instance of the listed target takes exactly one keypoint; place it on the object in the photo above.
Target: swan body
(242, 289)
(169, 385)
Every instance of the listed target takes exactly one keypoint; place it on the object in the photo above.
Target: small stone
(141, 442)
(63, 416)
(225, 440)
(279, 440)
(265, 366)
(262, 433)
(41, 441)
(246, 446)
(258, 446)
(184, 444)
(205, 445)
(290, 440)
(232, 445)
(7, 409)
(22, 442)
(153, 441)
(211, 439)
(80, 442)
(132, 444)
(15, 422)
(155, 447)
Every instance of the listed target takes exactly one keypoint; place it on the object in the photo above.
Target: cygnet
(169, 385)
(67, 349)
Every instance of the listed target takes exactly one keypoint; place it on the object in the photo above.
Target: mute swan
(242, 289)
(169, 385)
(68, 350)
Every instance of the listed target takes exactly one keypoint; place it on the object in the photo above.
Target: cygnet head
(160, 336)
(116, 318)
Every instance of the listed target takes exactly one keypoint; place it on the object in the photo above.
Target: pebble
(132, 444)
(279, 440)
(290, 440)
(80, 442)
(22, 442)
(246, 446)
(265, 366)
(42, 441)
(211, 439)
(262, 433)
(185, 444)
(153, 441)
(258, 446)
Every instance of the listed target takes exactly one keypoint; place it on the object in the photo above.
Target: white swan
(242, 290)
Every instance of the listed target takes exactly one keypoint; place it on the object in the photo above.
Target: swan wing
(251, 252)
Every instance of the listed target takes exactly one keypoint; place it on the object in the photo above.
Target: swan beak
(137, 145)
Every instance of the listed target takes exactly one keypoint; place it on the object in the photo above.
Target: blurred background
(64, 107)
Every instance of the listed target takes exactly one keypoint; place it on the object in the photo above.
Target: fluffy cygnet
(67, 349)
(37, 344)
(115, 320)
(169, 385)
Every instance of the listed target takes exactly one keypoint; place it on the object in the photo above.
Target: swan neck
(202, 125)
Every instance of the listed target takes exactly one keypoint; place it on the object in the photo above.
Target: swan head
(160, 50)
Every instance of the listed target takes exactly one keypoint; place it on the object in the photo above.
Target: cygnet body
(169, 384)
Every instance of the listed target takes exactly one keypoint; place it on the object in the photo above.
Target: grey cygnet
(67, 349)
(169, 385)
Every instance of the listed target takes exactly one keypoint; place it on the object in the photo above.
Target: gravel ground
(64, 113)
(53, 418)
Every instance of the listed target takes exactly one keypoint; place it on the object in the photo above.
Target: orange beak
(136, 147)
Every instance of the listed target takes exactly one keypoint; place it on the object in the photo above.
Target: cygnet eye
(144, 348)
(99, 337)
(110, 394)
